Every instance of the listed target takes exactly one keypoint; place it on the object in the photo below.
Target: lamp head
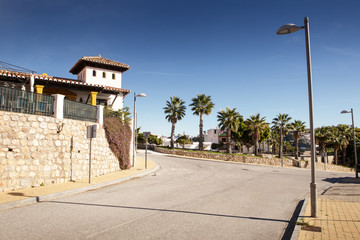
(344, 111)
(141, 95)
(288, 28)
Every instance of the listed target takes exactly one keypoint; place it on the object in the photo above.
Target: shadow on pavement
(292, 223)
(19, 194)
(171, 211)
(337, 179)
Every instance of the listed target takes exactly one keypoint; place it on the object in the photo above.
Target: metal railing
(15, 100)
(80, 111)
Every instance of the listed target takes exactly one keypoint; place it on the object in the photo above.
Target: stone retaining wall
(35, 150)
(254, 160)
(229, 157)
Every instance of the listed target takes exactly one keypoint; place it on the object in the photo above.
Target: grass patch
(303, 223)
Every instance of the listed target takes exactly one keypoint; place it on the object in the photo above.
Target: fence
(80, 111)
(15, 100)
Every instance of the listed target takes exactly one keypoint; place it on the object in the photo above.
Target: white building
(212, 135)
(96, 71)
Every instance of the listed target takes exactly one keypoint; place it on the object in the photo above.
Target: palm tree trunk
(256, 150)
(201, 145)
(323, 149)
(344, 154)
(281, 143)
(228, 141)
(273, 147)
(336, 155)
(172, 134)
(296, 148)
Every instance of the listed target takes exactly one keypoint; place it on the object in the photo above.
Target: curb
(32, 200)
(297, 228)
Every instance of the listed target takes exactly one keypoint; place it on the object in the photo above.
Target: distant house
(212, 135)
(98, 81)
(222, 137)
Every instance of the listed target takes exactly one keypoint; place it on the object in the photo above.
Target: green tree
(322, 138)
(122, 114)
(155, 140)
(274, 138)
(175, 111)
(201, 105)
(256, 125)
(345, 131)
(229, 121)
(281, 122)
(335, 139)
(182, 140)
(140, 138)
(298, 127)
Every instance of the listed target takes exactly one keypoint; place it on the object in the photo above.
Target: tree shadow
(20, 194)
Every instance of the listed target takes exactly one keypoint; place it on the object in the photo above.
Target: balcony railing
(15, 100)
(80, 111)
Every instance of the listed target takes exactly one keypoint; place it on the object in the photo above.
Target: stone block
(47, 168)
(14, 117)
(24, 182)
(23, 174)
(58, 143)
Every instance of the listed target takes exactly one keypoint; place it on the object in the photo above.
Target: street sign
(90, 134)
(146, 135)
(91, 131)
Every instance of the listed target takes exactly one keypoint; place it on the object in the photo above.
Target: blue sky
(225, 49)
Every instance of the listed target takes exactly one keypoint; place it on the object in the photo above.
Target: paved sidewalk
(338, 213)
(26, 196)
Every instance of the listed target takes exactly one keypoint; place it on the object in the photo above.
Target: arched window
(104, 74)
(113, 76)
(94, 73)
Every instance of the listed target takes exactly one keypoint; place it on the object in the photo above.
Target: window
(113, 76)
(94, 73)
(104, 74)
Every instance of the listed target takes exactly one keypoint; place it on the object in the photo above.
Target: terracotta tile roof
(100, 62)
(55, 80)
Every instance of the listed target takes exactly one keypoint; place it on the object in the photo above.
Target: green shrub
(215, 146)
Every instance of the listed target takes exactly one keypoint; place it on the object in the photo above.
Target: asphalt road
(186, 199)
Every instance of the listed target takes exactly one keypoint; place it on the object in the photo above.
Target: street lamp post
(355, 152)
(290, 28)
(134, 122)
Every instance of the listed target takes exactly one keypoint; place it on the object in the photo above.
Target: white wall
(119, 102)
(86, 75)
(212, 135)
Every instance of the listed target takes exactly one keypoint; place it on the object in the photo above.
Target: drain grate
(312, 229)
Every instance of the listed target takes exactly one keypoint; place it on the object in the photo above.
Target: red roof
(50, 79)
(99, 62)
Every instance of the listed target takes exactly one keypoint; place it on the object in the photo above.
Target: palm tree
(274, 138)
(175, 110)
(298, 127)
(346, 135)
(282, 123)
(256, 125)
(335, 139)
(322, 137)
(201, 105)
(229, 120)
